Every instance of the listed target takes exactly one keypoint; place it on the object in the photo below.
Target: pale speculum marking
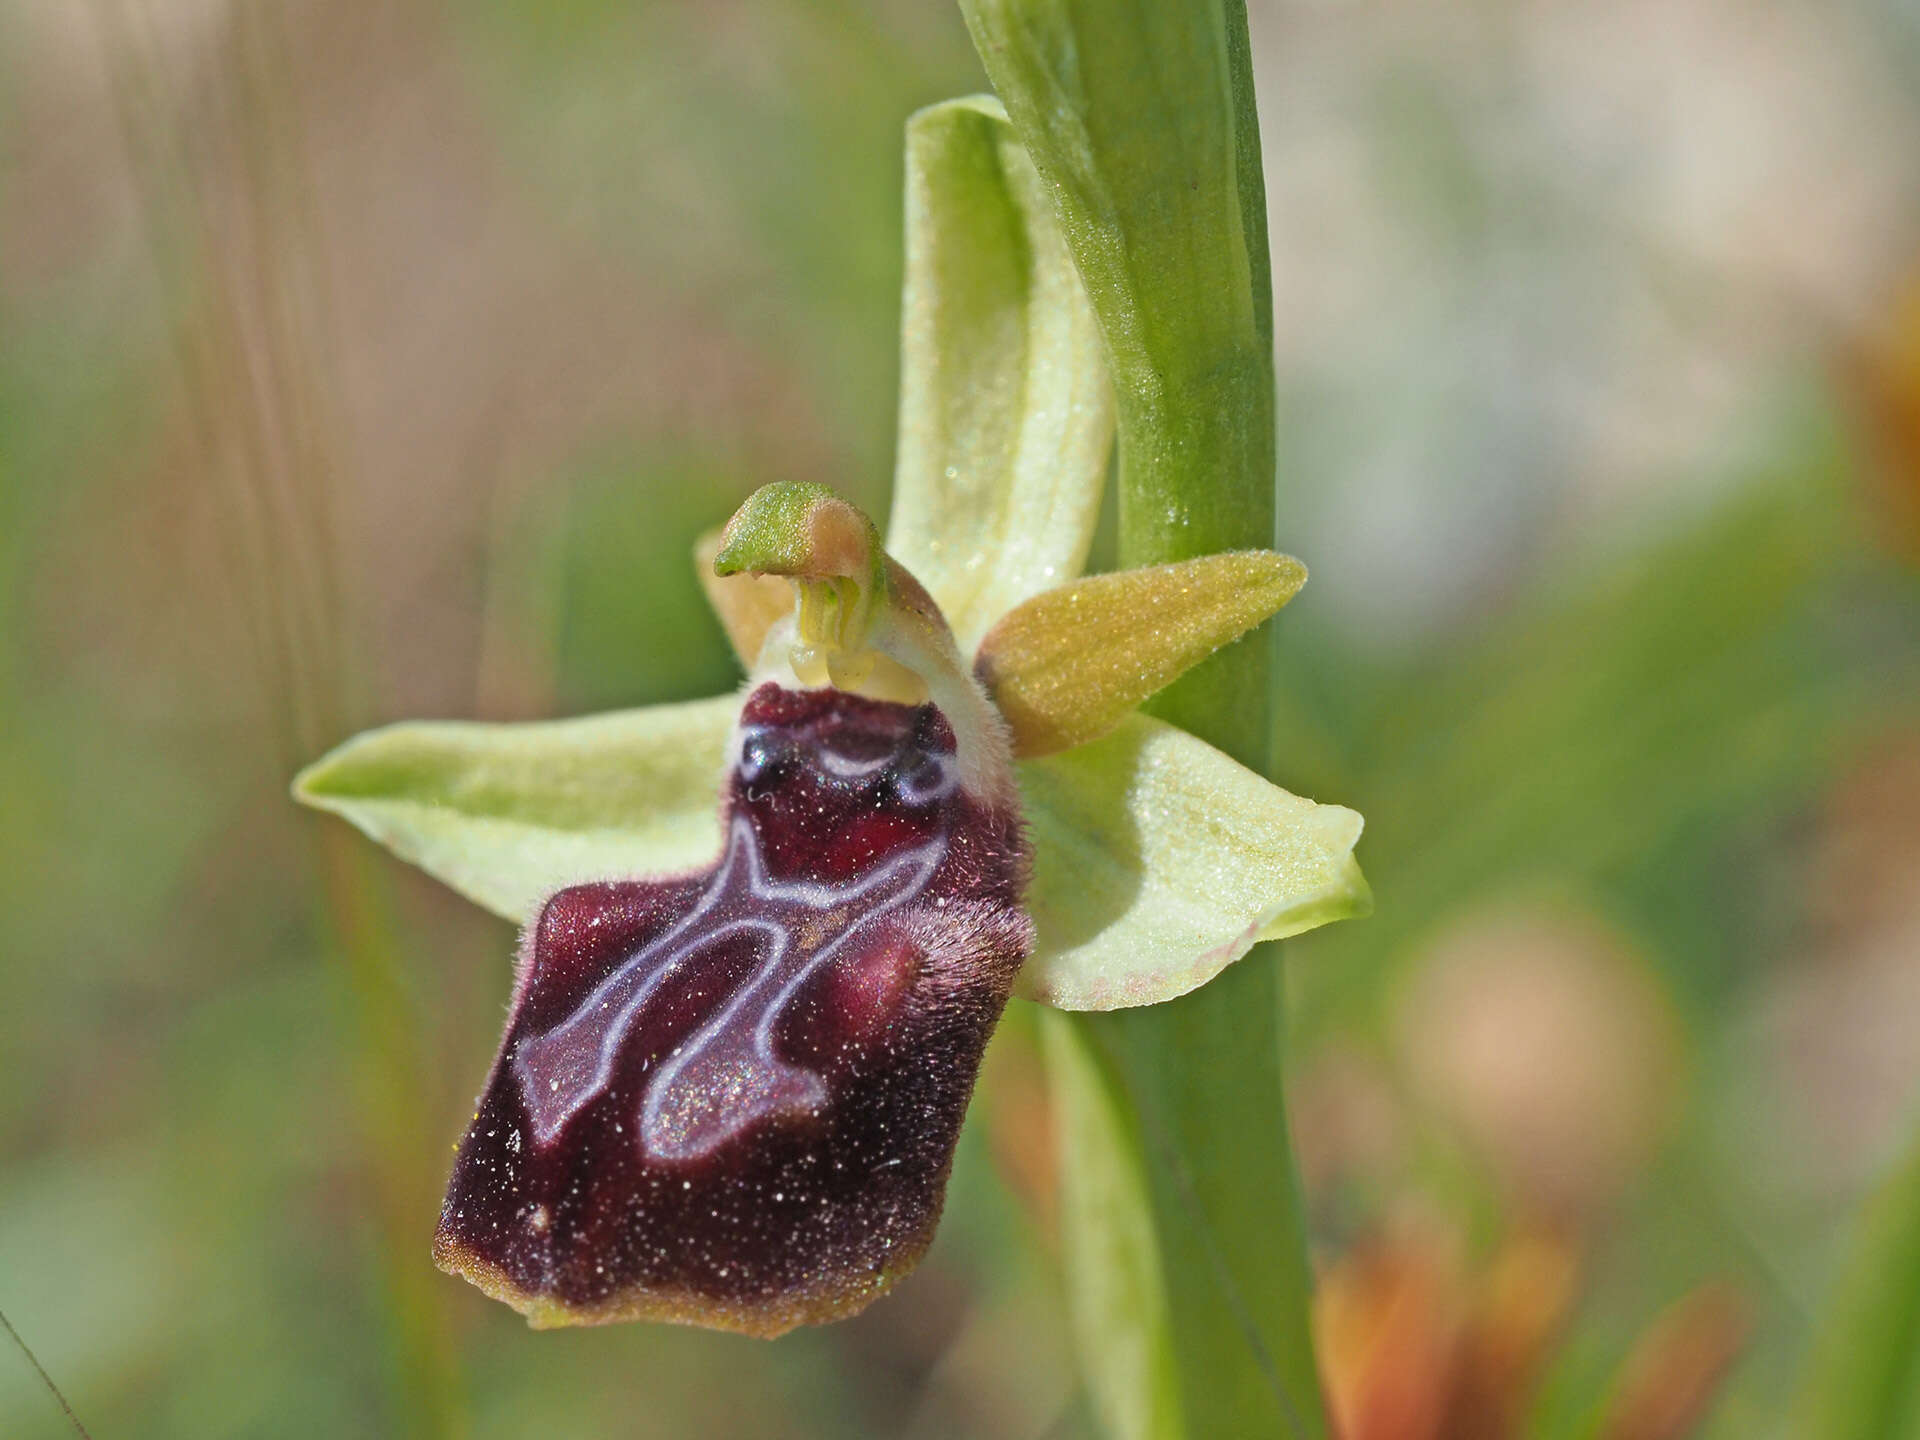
(725, 1075)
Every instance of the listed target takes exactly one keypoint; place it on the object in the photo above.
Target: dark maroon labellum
(732, 1098)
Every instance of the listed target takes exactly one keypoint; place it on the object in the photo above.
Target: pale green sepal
(1159, 861)
(506, 814)
(1006, 413)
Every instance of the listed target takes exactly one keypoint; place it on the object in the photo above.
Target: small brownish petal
(731, 1099)
(1068, 665)
(747, 605)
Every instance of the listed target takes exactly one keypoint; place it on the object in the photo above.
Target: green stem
(1141, 119)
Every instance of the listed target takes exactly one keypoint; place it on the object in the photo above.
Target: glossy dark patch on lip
(732, 1098)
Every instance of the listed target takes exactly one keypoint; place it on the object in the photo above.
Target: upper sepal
(1006, 411)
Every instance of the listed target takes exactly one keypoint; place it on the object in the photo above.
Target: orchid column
(1183, 1226)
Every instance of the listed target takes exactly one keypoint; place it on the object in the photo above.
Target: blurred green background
(378, 359)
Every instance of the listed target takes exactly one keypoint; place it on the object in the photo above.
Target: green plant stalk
(1141, 118)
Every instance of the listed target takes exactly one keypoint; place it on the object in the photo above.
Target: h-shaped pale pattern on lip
(734, 1096)
(726, 1076)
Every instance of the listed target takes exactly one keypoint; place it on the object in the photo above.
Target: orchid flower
(767, 936)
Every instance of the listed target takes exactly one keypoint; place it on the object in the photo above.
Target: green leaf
(1159, 861)
(1106, 1227)
(1863, 1381)
(1173, 1310)
(1006, 415)
(506, 814)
